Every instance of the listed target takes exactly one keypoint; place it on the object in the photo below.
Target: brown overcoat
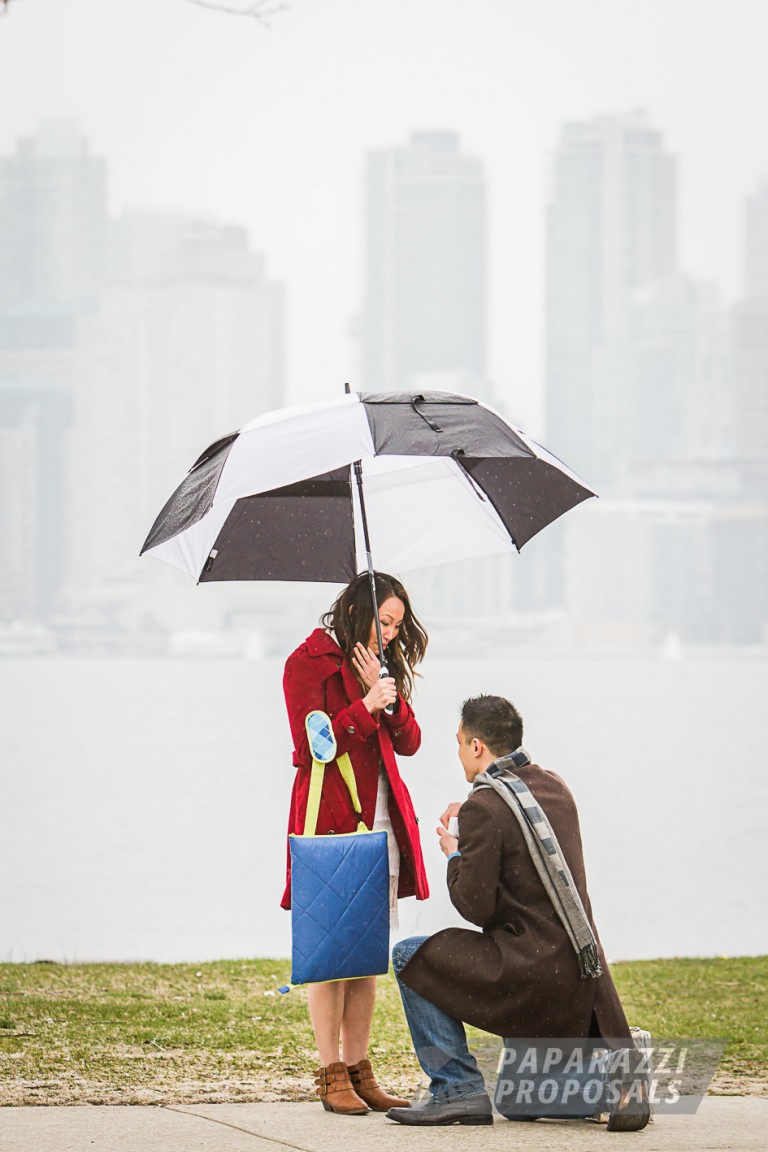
(520, 975)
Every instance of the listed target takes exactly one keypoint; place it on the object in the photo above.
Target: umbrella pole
(368, 557)
(358, 465)
(367, 541)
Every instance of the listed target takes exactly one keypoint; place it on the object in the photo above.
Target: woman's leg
(359, 998)
(342, 1009)
(326, 1010)
(355, 1033)
(334, 1086)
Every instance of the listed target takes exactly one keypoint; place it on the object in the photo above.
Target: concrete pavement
(722, 1122)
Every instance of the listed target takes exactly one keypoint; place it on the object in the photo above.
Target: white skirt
(382, 822)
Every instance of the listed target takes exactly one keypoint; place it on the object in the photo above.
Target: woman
(336, 670)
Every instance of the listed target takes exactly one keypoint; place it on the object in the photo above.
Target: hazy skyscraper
(756, 245)
(53, 220)
(611, 230)
(676, 370)
(52, 231)
(424, 314)
(35, 412)
(751, 341)
(186, 347)
(750, 338)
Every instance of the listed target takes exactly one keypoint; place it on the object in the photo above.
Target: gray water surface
(144, 802)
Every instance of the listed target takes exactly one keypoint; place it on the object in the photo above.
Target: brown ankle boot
(336, 1092)
(364, 1084)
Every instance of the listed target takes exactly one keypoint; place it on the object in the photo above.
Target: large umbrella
(445, 478)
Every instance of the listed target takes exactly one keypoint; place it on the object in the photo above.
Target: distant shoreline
(214, 646)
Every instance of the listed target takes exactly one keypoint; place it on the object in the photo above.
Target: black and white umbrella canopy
(445, 478)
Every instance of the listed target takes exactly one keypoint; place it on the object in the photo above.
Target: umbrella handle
(390, 708)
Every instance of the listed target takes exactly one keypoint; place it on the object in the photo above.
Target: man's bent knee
(404, 950)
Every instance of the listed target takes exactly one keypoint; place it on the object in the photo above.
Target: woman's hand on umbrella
(366, 664)
(382, 694)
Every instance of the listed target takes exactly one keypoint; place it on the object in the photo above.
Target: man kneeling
(538, 968)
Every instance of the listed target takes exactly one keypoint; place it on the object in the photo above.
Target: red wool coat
(317, 676)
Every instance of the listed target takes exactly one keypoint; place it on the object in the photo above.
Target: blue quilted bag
(339, 883)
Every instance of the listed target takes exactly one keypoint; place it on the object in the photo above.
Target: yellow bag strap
(316, 788)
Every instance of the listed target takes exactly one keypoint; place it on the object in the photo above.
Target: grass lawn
(163, 1033)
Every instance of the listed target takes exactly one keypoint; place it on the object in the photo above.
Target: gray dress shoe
(471, 1110)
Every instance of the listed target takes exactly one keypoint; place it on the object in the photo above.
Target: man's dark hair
(493, 720)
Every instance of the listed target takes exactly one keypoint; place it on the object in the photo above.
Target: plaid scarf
(546, 855)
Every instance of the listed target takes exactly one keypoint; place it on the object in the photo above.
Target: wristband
(453, 855)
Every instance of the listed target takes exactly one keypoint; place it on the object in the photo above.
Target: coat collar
(322, 644)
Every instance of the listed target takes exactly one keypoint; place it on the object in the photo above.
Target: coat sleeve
(474, 878)
(304, 692)
(403, 729)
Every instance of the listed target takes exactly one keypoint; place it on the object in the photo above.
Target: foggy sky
(217, 115)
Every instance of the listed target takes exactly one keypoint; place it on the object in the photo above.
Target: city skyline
(117, 368)
(124, 341)
(55, 132)
(270, 128)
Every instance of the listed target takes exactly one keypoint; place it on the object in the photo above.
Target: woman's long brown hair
(351, 619)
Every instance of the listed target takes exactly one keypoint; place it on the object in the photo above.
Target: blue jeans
(439, 1040)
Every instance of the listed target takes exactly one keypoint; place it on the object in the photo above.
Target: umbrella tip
(347, 388)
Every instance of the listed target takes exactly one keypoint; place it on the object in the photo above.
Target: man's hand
(451, 810)
(447, 843)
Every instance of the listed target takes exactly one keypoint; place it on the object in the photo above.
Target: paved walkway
(722, 1122)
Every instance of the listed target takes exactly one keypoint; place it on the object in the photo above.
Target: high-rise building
(52, 232)
(676, 370)
(750, 395)
(189, 350)
(611, 231)
(424, 313)
(756, 246)
(750, 334)
(35, 415)
(52, 220)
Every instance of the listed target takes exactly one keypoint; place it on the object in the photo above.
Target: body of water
(144, 802)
